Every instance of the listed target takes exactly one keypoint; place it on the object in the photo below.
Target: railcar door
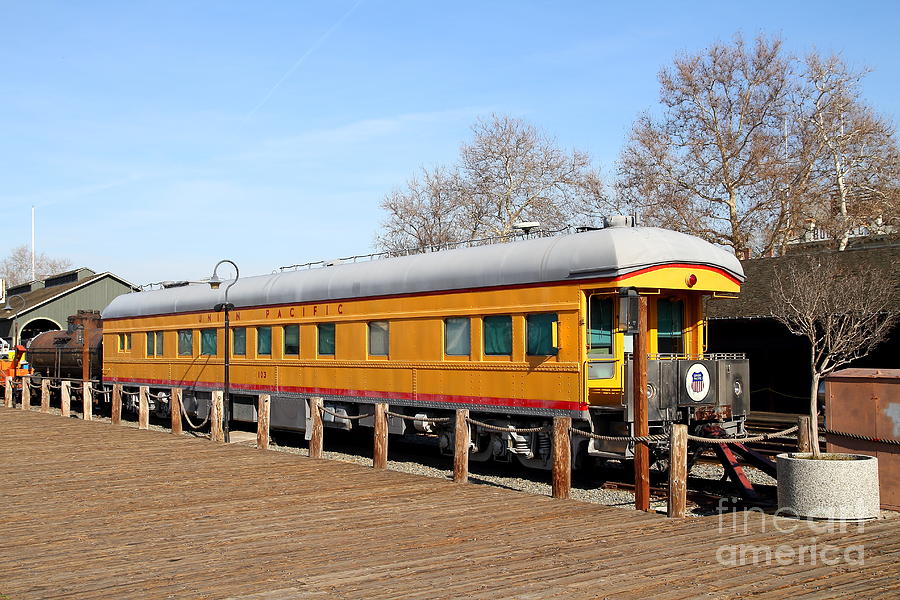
(602, 377)
(670, 326)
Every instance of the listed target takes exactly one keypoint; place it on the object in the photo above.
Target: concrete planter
(828, 489)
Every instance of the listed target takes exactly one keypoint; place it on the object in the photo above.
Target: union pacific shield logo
(697, 382)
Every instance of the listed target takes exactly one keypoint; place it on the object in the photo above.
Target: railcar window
(151, 344)
(264, 341)
(121, 342)
(159, 343)
(208, 342)
(669, 326)
(326, 339)
(128, 341)
(185, 342)
(600, 326)
(539, 334)
(457, 336)
(379, 338)
(239, 341)
(498, 335)
(292, 339)
(600, 338)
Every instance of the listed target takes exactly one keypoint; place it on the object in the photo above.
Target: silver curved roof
(609, 252)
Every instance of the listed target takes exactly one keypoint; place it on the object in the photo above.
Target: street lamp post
(214, 283)
(8, 308)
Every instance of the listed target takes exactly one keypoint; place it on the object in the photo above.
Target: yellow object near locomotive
(517, 333)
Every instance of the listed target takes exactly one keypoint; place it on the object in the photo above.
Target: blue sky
(155, 138)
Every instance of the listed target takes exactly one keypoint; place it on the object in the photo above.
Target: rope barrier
(159, 396)
(98, 392)
(336, 415)
(509, 429)
(865, 438)
(55, 387)
(127, 393)
(419, 419)
(191, 423)
(658, 437)
(743, 440)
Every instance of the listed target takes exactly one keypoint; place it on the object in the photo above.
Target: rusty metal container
(866, 402)
(63, 353)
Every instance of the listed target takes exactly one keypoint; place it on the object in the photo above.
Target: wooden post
(65, 398)
(26, 393)
(677, 471)
(317, 435)
(116, 410)
(262, 421)
(87, 401)
(562, 457)
(639, 397)
(175, 410)
(45, 395)
(804, 432)
(8, 401)
(25, 403)
(144, 407)
(461, 446)
(216, 433)
(380, 452)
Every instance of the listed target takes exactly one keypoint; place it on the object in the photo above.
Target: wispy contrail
(306, 55)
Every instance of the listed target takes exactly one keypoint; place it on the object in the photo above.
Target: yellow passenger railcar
(517, 332)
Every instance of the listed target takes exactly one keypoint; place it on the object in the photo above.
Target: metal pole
(214, 282)
(33, 271)
(225, 401)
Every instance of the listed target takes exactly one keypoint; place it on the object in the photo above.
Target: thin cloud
(354, 134)
(302, 59)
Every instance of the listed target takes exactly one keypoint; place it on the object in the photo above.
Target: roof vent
(620, 221)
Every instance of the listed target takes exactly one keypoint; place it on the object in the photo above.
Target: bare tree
(16, 267)
(516, 173)
(843, 311)
(856, 167)
(509, 172)
(427, 212)
(714, 163)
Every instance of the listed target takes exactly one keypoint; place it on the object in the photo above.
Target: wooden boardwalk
(91, 510)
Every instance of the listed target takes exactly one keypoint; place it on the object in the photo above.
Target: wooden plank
(317, 433)
(461, 437)
(380, 450)
(262, 421)
(216, 433)
(641, 423)
(8, 400)
(562, 457)
(265, 525)
(26, 393)
(65, 398)
(116, 408)
(803, 434)
(45, 395)
(144, 407)
(87, 401)
(175, 410)
(677, 499)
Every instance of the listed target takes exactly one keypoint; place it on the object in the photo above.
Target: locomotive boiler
(74, 353)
